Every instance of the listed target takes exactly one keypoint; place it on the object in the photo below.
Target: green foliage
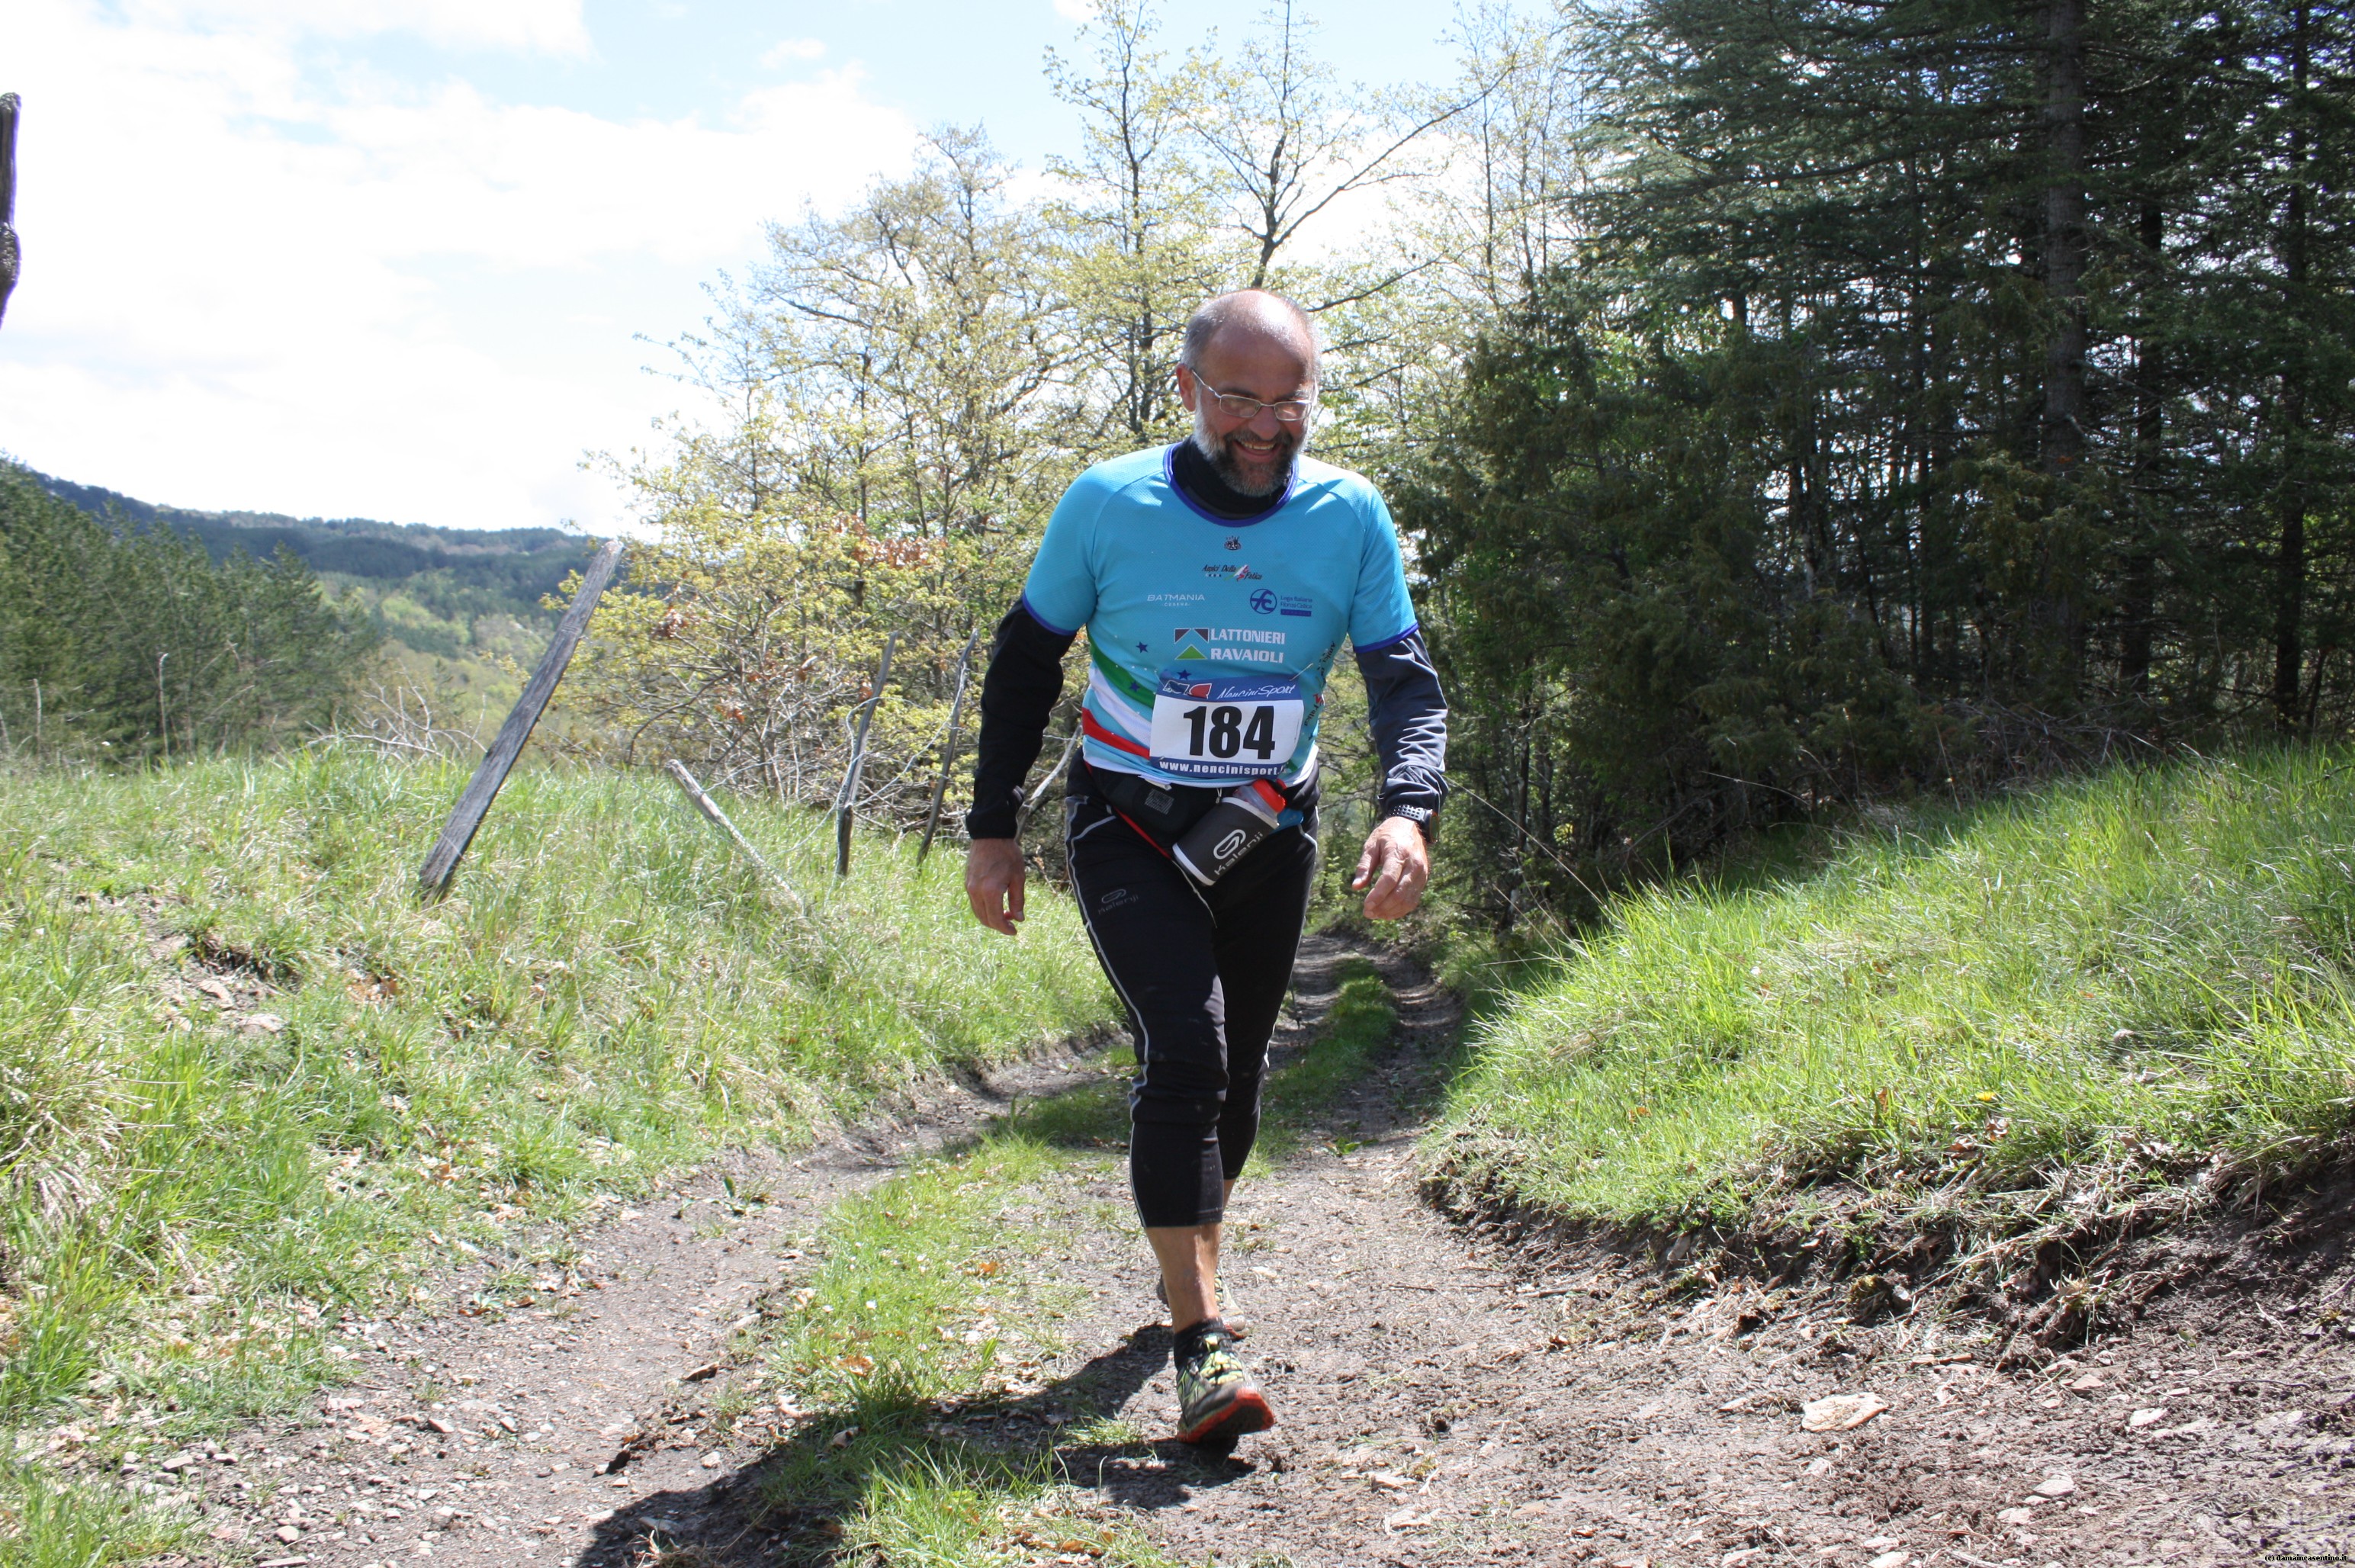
(1900, 418)
(138, 645)
(197, 1190)
(2102, 991)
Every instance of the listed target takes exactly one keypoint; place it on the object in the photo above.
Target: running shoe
(1217, 1400)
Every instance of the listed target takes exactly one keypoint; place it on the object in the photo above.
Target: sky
(414, 259)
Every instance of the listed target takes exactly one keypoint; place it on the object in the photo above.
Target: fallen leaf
(1405, 1519)
(2151, 1417)
(1841, 1411)
(708, 1370)
(1891, 1559)
(858, 1366)
(2055, 1487)
(842, 1438)
(1389, 1479)
(264, 1023)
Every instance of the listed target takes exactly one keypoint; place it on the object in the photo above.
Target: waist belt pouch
(1161, 812)
(1230, 830)
(1169, 814)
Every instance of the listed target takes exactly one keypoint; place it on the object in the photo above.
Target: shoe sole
(1240, 1417)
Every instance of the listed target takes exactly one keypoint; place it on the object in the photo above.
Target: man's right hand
(993, 882)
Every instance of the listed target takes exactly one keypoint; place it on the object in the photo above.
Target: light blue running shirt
(1211, 640)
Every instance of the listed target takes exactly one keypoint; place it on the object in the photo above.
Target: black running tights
(1202, 972)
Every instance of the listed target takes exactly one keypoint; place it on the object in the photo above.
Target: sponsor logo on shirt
(1239, 572)
(1235, 644)
(1233, 543)
(1262, 601)
(1297, 604)
(1229, 688)
(1230, 635)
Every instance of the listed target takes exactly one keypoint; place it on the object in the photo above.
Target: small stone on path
(1841, 1411)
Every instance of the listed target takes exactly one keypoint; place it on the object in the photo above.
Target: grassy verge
(912, 1369)
(248, 1083)
(2030, 1017)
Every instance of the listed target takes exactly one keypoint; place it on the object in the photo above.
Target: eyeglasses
(1287, 410)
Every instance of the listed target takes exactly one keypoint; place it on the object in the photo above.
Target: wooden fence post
(718, 819)
(846, 805)
(474, 801)
(948, 749)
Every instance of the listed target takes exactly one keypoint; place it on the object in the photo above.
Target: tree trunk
(2141, 590)
(2065, 233)
(2290, 499)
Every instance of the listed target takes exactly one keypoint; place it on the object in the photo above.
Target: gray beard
(1215, 451)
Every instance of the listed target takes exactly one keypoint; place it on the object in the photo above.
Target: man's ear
(1187, 387)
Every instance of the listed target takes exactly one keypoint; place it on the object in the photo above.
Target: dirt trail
(484, 1439)
(1442, 1401)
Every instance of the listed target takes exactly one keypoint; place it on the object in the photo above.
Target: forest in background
(1786, 407)
(451, 617)
(132, 645)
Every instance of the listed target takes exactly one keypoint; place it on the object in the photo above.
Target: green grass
(2024, 1017)
(192, 1206)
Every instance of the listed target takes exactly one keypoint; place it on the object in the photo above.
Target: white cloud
(552, 27)
(792, 51)
(245, 287)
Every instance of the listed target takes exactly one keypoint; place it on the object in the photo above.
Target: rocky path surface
(1442, 1401)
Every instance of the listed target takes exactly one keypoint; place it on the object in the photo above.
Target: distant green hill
(454, 572)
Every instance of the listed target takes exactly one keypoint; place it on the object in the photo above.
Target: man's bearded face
(1254, 456)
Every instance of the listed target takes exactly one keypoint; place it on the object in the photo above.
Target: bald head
(1248, 375)
(1255, 317)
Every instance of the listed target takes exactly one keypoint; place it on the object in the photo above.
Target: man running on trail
(1216, 580)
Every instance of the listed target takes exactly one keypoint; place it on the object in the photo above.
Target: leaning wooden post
(948, 749)
(718, 818)
(847, 804)
(434, 877)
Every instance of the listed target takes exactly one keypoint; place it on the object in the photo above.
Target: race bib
(1225, 727)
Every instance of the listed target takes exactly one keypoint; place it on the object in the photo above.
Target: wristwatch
(1422, 817)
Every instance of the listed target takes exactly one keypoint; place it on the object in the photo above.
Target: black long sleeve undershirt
(1017, 694)
(1408, 714)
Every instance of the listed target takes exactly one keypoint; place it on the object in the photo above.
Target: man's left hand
(1398, 863)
